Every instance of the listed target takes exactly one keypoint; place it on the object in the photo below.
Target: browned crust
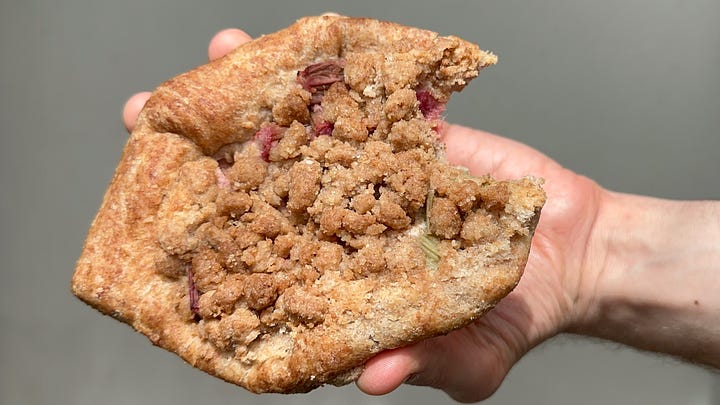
(223, 102)
(252, 78)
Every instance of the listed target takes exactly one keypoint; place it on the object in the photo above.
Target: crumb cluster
(344, 178)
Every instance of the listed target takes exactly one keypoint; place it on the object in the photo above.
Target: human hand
(470, 363)
(637, 270)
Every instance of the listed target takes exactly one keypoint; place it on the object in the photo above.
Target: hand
(469, 364)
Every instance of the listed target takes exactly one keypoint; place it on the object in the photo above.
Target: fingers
(225, 41)
(132, 109)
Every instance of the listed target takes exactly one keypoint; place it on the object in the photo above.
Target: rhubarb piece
(319, 125)
(267, 137)
(193, 294)
(318, 77)
(431, 108)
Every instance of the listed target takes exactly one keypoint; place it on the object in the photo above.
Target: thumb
(485, 153)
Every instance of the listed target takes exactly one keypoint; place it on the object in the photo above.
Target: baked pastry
(282, 214)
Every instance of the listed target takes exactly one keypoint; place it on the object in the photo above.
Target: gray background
(626, 92)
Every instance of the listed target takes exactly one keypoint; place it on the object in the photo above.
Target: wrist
(656, 277)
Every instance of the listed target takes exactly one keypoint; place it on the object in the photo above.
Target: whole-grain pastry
(282, 214)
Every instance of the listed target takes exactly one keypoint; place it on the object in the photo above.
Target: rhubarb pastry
(282, 214)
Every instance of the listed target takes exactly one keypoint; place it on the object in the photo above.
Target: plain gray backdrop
(625, 92)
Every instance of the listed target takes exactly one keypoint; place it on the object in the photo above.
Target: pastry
(283, 213)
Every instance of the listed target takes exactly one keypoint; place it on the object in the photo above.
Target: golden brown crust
(281, 269)
(254, 78)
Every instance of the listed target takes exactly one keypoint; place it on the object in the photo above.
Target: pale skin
(636, 270)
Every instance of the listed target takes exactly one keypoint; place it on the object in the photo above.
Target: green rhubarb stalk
(429, 242)
(429, 245)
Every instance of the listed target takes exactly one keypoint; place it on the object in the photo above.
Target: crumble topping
(272, 219)
(342, 182)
